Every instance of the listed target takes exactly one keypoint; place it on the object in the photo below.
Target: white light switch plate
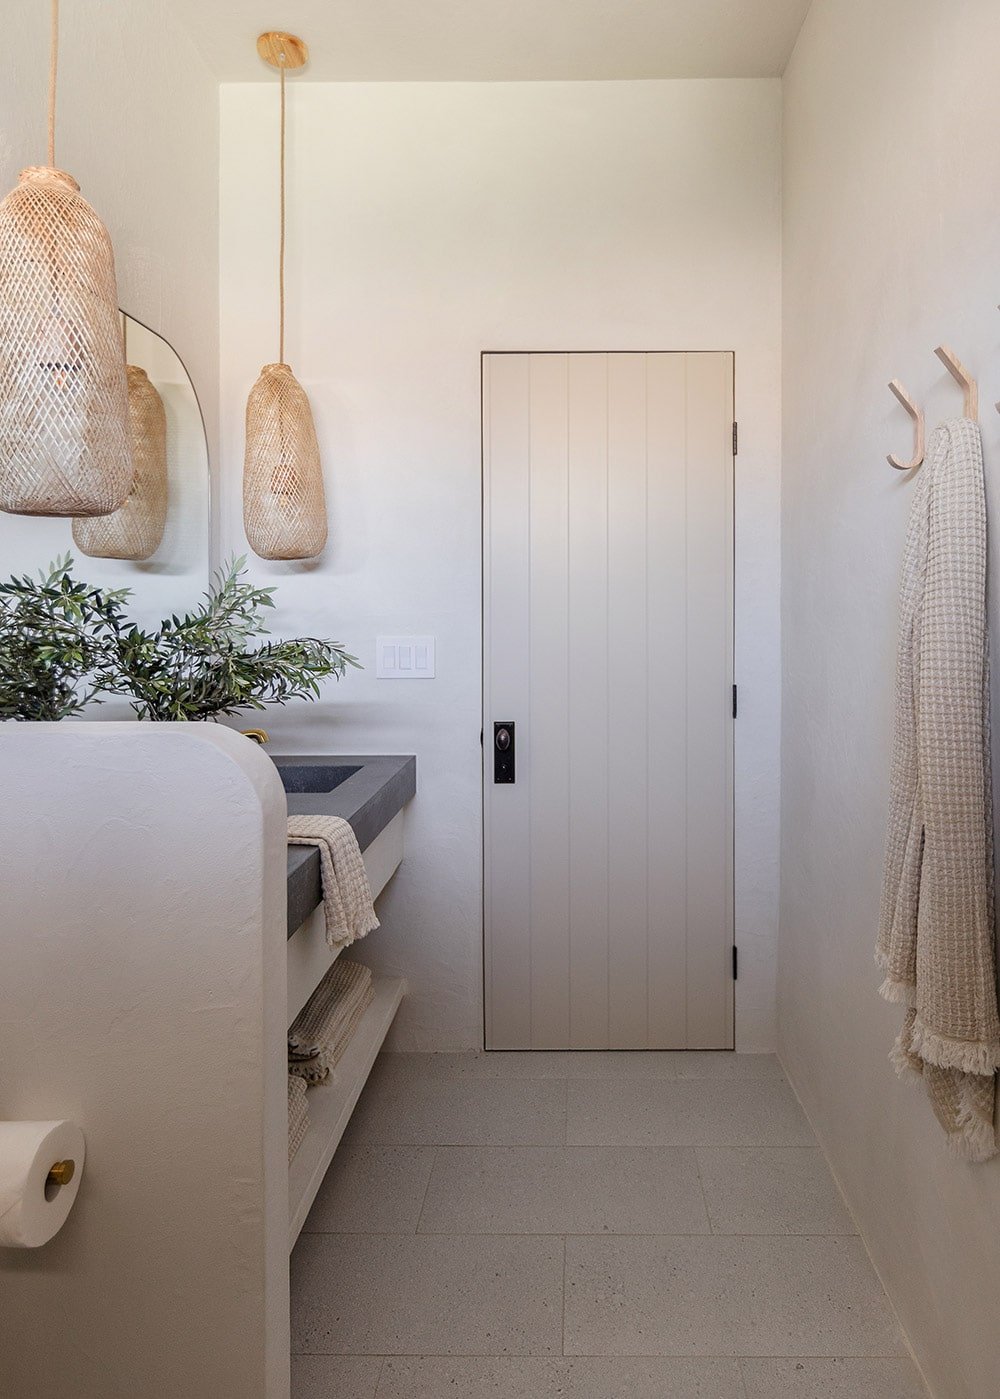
(404, 657)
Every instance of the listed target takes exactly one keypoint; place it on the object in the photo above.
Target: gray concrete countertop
(368, 799)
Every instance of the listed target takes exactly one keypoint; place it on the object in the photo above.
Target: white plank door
(608, 605)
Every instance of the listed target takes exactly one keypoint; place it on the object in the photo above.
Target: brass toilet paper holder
(62, 1172)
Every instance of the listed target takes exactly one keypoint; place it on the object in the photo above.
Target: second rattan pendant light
(64, 440)
(284, 505)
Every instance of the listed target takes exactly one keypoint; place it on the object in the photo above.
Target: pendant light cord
(53, 63)
(281, 240)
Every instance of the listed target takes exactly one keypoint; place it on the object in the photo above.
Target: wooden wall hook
(961, 375)
(917, 415)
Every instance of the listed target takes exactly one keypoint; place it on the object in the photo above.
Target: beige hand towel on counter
(936, 942)
(325, 1024)
(347, 896)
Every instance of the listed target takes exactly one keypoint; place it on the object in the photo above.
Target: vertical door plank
(667, 553)
(628, 699)
(549, 660)
(709, 680)
(588, 700)
(506, 453)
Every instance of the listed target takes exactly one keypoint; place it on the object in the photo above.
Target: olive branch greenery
(64, 643)
(56, 635)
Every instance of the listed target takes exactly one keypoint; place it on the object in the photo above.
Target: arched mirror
(163, 530)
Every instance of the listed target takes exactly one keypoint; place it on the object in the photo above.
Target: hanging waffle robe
(936, 943)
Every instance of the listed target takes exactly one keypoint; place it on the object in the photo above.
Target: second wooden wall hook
(917, 415)
(961, 375)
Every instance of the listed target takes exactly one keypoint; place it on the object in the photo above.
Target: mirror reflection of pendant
(136, 529)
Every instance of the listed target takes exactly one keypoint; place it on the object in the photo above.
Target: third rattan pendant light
(64, 439)
(284, 506)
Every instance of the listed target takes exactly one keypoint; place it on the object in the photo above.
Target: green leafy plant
(203, 664)
(63, 643)
(56, 636)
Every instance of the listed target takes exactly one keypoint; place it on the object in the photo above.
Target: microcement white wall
(891, 245)
(428, 223)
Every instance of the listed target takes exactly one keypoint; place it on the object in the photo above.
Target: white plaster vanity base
(143, 935)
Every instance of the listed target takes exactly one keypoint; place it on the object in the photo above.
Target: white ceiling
(502, 40)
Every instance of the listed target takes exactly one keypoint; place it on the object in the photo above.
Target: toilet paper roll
(32, 1207)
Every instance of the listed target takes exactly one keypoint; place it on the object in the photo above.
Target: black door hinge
(736, 439)
(735, 701)
(736, 963)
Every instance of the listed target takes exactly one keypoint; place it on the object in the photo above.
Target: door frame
(486, 718)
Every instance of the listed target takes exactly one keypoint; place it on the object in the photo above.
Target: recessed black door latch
(503, 752)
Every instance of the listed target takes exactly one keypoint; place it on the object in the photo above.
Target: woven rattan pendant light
(136, 529)
(284, 506)
(64, 442)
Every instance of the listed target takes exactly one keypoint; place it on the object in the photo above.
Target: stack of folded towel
(298, 1114)
(325, 1024)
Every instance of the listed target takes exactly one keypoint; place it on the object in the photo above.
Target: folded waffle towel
(936, 934)
(298, 1114)
(347, 896)
(325, 1024)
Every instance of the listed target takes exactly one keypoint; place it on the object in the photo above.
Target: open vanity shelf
(331, 1103)
(370, 793)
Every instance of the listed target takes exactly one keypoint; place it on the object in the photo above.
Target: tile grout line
(584, 1146)
(621, 1076)
(562, 1344)
(701, 1187)
(741, 1375)
(573, 1146)
(427, 1190)
(607, 1234)
(596, 1146)
(831, 1356)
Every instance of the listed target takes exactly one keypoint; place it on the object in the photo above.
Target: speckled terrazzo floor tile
(702, 1112)
(564, 1190)
(378, 1294)
(515, 1378)
(551, 1063)
(696, 1063)
(335, 1376)
(539, 1063)
(372, 1190)
(771, 1190)
(414, 1108)
(725, 1296)
(832, 1379)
